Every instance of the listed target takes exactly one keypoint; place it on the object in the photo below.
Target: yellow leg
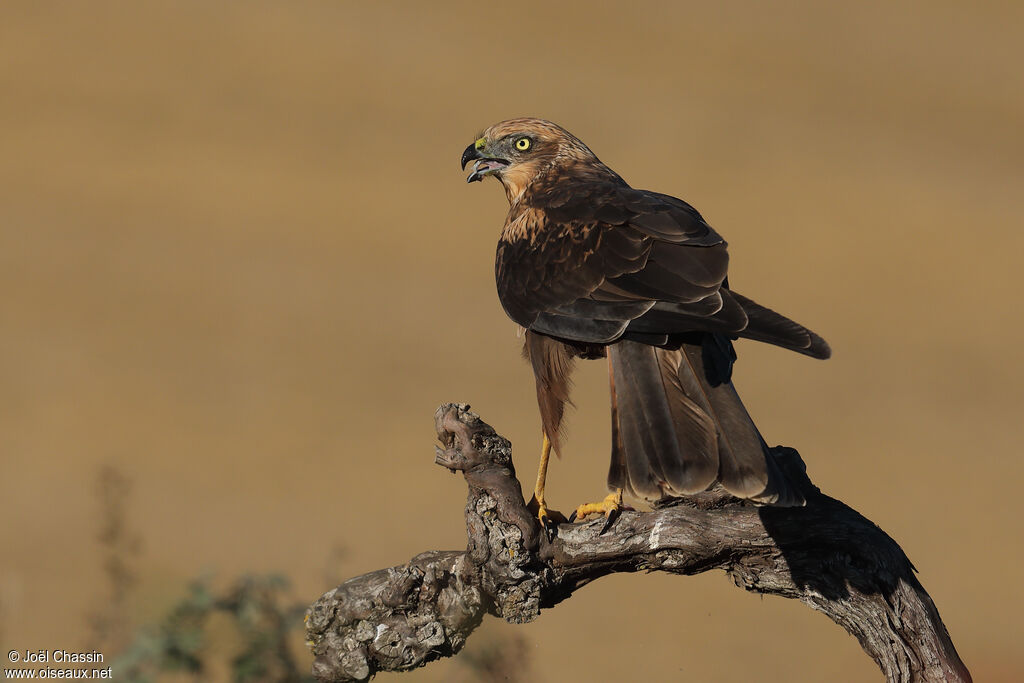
(538, 505)
(542, 470)
(610, 507)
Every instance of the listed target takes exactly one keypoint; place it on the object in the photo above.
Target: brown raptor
(592, 268)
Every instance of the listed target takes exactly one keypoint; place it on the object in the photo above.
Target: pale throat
(515, 181)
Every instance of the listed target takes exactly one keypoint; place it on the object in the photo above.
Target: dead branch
(826, 555)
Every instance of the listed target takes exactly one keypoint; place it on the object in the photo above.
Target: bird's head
(518, 150)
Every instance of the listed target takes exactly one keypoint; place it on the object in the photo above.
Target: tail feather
(678, 427)
(664, 441)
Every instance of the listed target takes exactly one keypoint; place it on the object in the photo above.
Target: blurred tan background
(239, 263)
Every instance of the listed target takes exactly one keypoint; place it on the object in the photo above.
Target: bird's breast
(522, 226)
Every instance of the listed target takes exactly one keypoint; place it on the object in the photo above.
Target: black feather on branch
(825, 554)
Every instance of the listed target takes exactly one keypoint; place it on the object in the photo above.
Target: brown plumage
(590, 267)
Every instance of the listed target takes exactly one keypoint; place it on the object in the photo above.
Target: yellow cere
(479, 144)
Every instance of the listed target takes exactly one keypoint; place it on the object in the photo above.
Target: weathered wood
(826, 555)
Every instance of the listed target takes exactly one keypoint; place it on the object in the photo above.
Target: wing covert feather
(605, 244)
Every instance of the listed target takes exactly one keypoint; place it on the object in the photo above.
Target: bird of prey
(591, 267)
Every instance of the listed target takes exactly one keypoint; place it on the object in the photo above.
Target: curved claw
(609, 519)
(548, 519)
(550, 528)
(611, 507)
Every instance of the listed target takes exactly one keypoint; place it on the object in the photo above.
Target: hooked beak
(484, 165)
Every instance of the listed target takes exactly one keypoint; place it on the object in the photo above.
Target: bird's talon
(609, 519)
(539, 509)
(548, 519)
(550, 530)
(611, 507)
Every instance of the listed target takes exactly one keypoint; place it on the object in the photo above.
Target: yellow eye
(523, 144)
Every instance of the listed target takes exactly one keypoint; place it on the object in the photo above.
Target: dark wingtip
(819, 347)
